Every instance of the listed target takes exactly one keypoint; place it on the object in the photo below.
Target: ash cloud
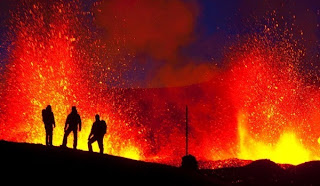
(156, 30)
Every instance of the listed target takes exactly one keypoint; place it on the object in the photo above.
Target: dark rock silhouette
(306, 173)
(32, 163)
(266, 172)
(29, 163)
(189, 162)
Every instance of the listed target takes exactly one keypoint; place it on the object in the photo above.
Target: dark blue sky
(222, 23)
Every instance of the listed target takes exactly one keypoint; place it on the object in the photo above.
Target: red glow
(158, 28)
(259, 104)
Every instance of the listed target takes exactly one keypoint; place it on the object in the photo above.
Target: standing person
(49, 124)
(98, 130)
(72, 122)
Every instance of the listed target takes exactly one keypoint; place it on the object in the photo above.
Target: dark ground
(37, 164)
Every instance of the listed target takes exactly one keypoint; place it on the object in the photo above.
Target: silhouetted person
(72, 122)
(98, 130)
(49, 124)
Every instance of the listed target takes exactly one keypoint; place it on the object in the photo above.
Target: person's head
(74, 109)
(48, 108)
(97, 117)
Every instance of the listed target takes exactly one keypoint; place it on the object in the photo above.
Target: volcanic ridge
(35, 163)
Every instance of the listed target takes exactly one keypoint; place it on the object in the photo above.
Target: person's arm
(54, 123)
(105, 128)
(79, 123)
(43, 115)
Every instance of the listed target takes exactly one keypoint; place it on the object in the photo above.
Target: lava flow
(259, 106)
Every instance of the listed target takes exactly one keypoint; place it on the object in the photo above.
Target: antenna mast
(187, 130)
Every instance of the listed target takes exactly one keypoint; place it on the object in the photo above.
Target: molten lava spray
(278, 113)
(260, 105)
(51, 63)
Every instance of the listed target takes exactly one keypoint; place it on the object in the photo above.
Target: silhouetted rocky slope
(307, 173)
(23, 163)
(266, 172)
(33, 163)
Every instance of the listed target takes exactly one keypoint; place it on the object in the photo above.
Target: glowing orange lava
(46, 68)
(278, 115)
(286, 149)
(258, 106)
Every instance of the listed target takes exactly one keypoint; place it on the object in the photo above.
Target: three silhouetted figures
(71, 125)
(98, 130)
(49, 124)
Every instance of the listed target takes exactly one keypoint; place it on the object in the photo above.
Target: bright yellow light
(131, 153)
(287, 149)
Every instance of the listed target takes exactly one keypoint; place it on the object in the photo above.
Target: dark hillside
(33, 163)
(23, 163)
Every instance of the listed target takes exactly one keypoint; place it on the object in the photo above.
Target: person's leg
(90, 141)
(75, 138)
(65, 137)
(47, 136)
(50, 137)
(100, 143)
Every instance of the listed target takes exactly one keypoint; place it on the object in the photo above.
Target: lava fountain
(278, 114)
(47, 66)
(260, 106)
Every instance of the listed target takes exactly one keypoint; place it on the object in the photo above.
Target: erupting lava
(286, 149)
(47, 65)
(278, 114)
(260, 106)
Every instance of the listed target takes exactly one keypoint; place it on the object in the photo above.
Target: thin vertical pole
(187, 130)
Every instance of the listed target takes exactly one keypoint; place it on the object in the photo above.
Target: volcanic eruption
(259, 105)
